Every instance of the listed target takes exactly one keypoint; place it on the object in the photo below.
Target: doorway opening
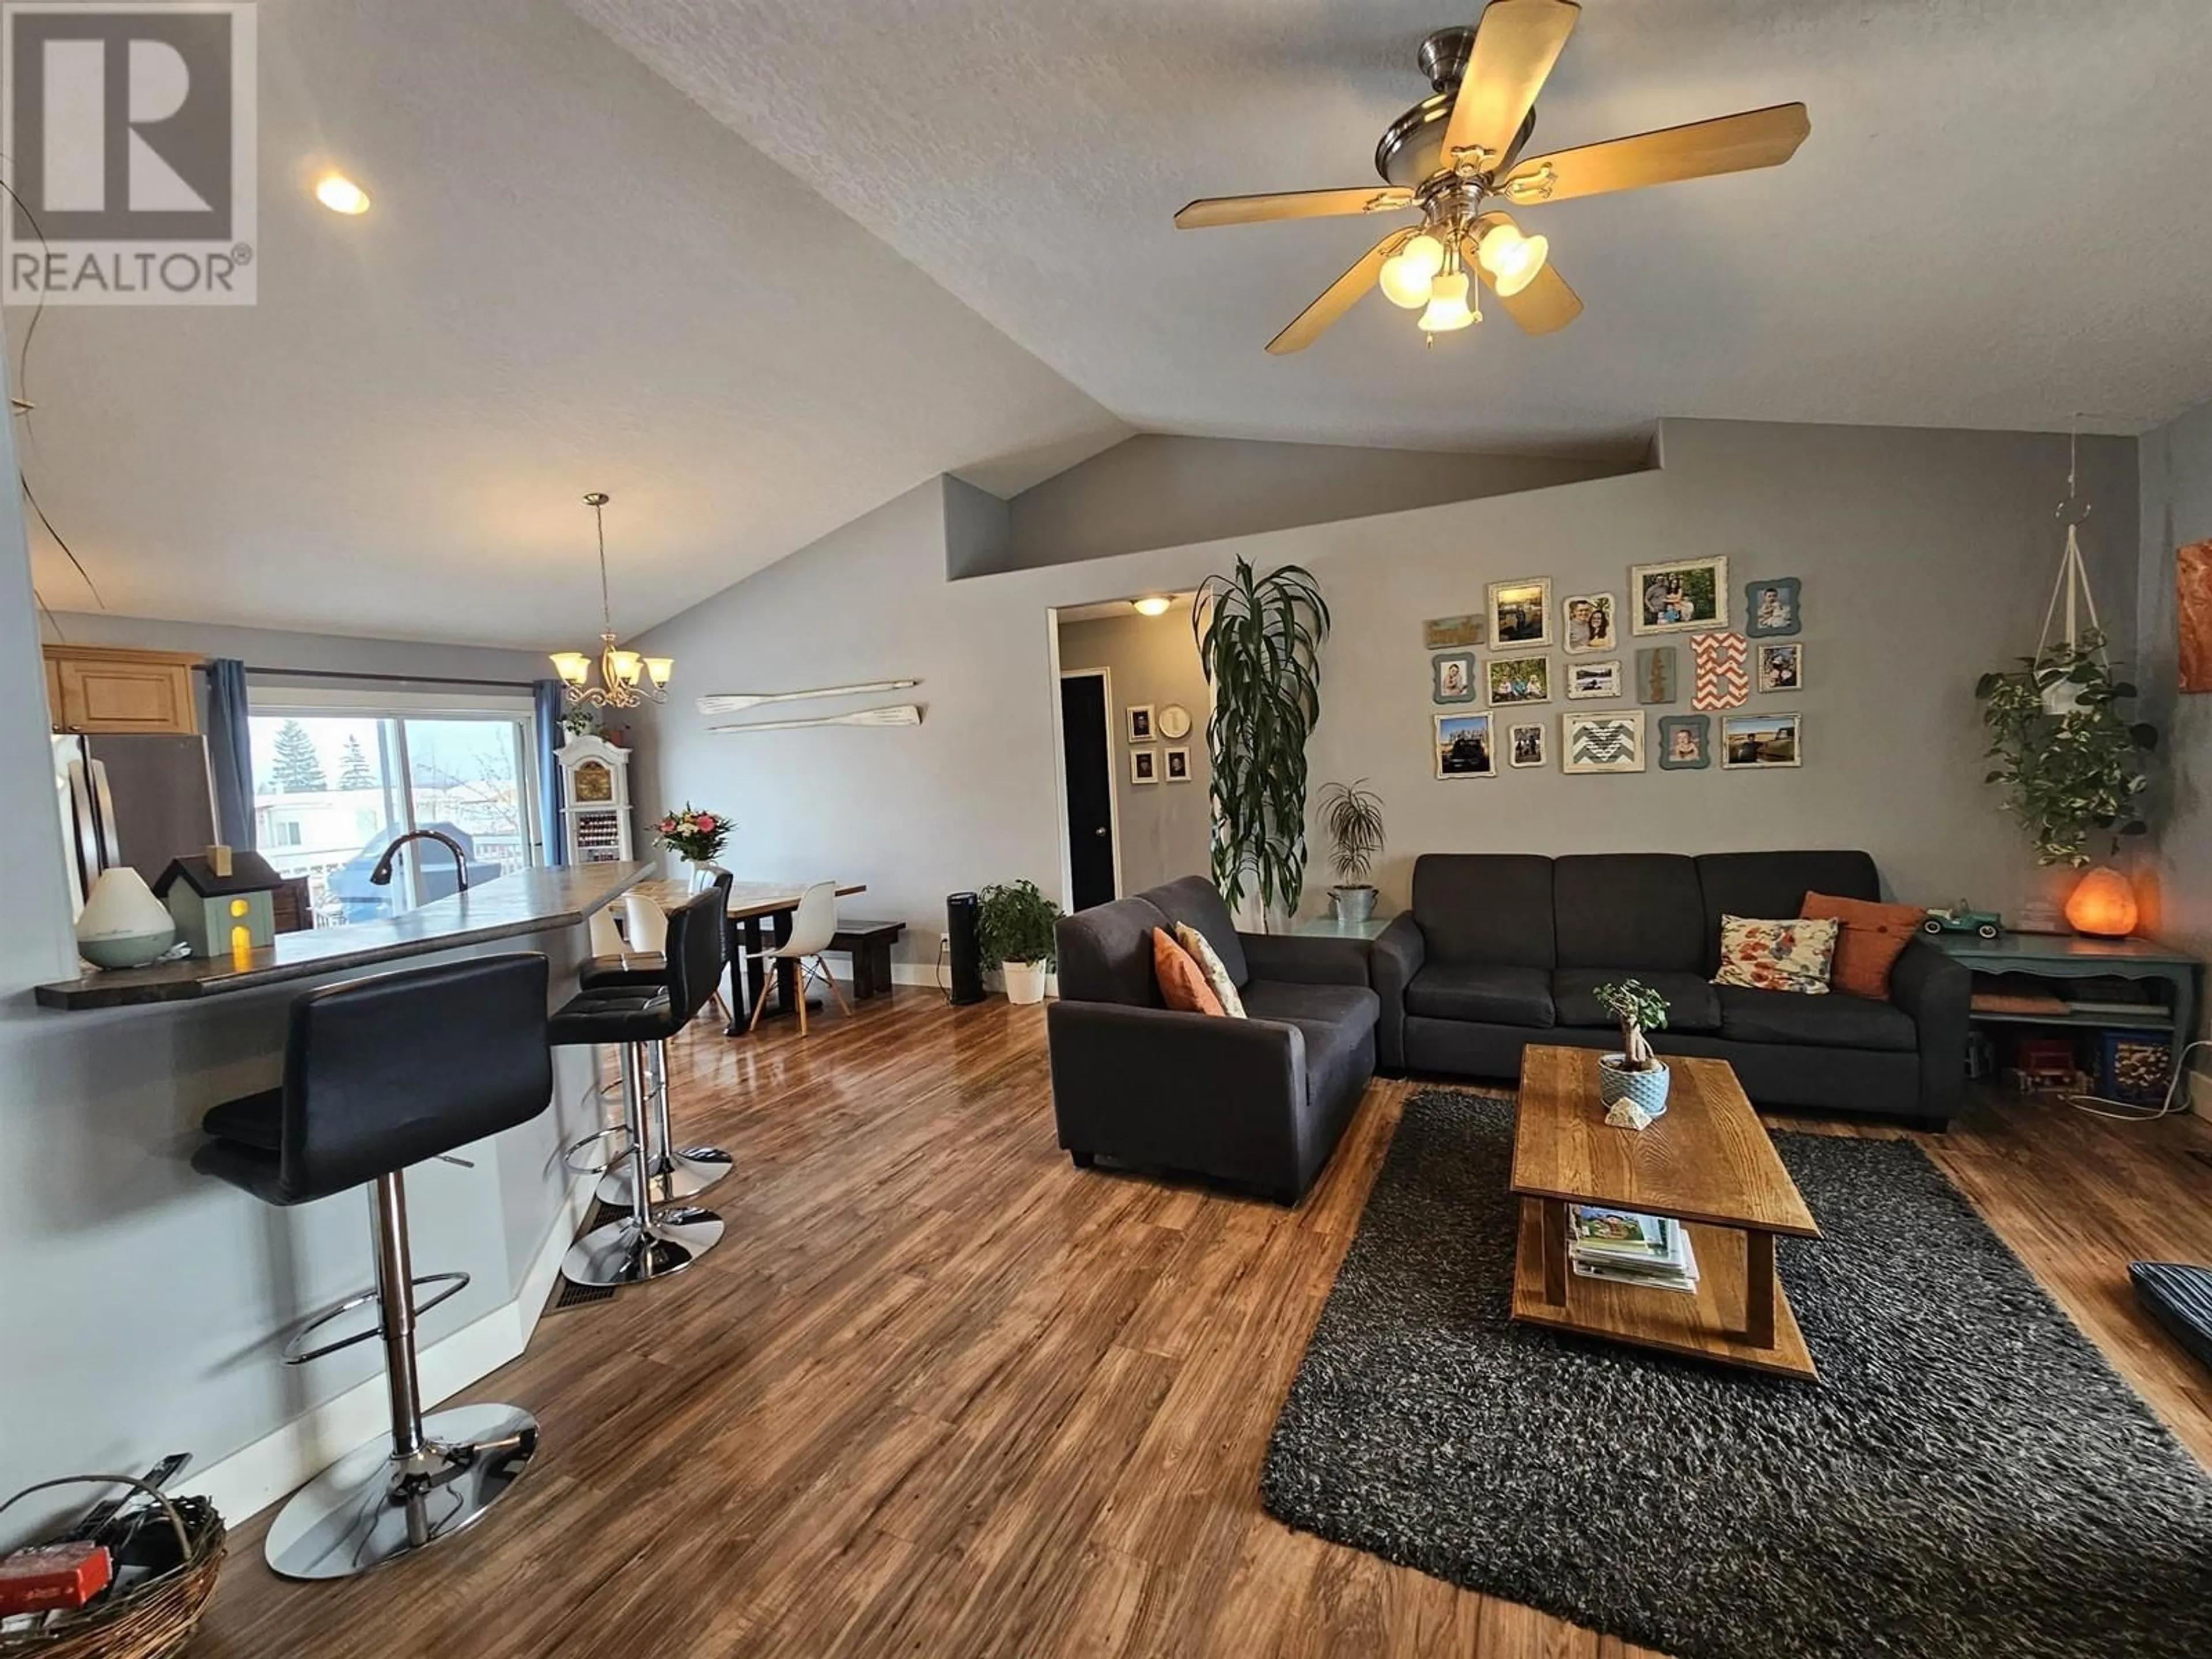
(1130, 715)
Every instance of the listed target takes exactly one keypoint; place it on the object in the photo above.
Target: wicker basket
(151, 1620)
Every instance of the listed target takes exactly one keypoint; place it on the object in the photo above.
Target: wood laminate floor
(940, 1394)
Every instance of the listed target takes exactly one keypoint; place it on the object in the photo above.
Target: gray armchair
(1258, 1102)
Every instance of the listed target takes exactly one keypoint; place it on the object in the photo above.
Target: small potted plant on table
(1015, 924)
(1352, 815)
(1635, 1074)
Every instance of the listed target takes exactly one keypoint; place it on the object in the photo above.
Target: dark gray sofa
(1503, 949)
(1259, 1103)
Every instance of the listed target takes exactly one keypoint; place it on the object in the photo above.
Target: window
(336, 781)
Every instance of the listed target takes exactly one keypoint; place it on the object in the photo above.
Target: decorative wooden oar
(734, 702)
(902, 715)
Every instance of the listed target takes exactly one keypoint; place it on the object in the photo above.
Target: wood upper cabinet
(104, 688)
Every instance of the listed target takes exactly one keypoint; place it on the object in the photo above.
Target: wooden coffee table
(1707, 1162)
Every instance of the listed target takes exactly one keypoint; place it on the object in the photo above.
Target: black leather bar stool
(650, 1242)
(379, 1074)
(673, 1172)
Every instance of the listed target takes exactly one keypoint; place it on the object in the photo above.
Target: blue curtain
(230, 752)
(547, 695)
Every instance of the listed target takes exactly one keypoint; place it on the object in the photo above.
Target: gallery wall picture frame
(2192, 607)
(1685, 743)
(1525, 744)
(1588, 622)
(1138, 716)
(1144, 766)
(1676, 596)
(1773, 609)
(1761, 743)
(1778, 667)
(1452, 678)
(1173, 722)
(1464, 746)
(1587, 680)
(1518, 679)
(1175, 763)
(1450, 633)
(1657, 672)
(1520, 613)
(1611, 742)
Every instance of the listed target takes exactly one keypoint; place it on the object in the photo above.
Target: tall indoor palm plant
(1259, 642)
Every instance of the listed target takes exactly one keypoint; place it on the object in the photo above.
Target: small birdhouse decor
(221, 901)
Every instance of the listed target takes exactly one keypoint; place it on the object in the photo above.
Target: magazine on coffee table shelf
(1651, 1275)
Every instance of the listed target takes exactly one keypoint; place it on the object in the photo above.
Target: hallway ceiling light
(1153, 605)
(340, 194)
(626, 678)
(1459, 150)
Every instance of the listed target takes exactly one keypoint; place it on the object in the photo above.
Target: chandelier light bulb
(1447, 305)
(573, 666)
(1406, 273)
(659, 669)
(1512, 260)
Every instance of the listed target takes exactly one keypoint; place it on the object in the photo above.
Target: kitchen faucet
(381, 876)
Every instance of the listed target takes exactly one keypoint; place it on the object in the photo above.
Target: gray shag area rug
(1968, 1478)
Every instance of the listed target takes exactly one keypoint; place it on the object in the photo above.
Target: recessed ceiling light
(1152, 606)
(340, 194)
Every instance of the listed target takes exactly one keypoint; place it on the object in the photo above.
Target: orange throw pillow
(1182, 982)
(1874, 937)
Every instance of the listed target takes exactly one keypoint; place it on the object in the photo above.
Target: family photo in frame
(1674, 597)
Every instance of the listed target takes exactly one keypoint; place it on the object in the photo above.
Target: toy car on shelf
(1960, 919)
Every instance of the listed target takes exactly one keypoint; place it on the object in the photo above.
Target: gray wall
(1927, 558)
(1151, 659)
(2175, 872)
(1158, 490)
(270, 647)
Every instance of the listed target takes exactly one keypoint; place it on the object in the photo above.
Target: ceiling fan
(1457, 152)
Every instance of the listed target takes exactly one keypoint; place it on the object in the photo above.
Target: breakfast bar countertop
(527, 901)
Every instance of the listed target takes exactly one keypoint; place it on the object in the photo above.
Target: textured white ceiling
(2000, 219)
(572, 279)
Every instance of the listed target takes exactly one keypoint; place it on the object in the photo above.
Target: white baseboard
(257, 1474)
(922, 973)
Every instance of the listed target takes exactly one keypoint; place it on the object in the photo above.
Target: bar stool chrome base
(628, 1252)
(684, 1173)
(371, 1507)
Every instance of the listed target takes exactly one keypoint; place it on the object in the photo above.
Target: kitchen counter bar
(527, 902)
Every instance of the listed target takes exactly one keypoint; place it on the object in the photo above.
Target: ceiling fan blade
(1339, 297)
(1729, 144)
(1545, 307)
(1515, 44)
(1291, 204)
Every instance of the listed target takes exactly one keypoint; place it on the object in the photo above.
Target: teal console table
(2069, 956)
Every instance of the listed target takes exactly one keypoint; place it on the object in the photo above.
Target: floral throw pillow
(1795, 955)
(1209, 963)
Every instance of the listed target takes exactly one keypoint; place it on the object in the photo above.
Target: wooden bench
(870, 943)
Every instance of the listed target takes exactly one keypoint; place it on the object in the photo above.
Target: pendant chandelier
(626, 679)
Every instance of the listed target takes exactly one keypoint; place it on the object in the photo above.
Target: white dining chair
(606, 940)
(814, 924)
(645, 926)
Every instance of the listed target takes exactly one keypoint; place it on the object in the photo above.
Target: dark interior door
(1090, 789)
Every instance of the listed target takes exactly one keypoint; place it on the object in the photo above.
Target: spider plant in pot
(1014, 925)
(1352, 815)
(1635, 1074)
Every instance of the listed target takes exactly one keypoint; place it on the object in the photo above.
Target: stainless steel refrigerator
(139, 800)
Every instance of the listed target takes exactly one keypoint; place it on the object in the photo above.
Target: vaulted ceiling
(755, 266)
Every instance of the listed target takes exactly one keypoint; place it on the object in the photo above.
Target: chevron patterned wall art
(1720, 670)
(1602, 743)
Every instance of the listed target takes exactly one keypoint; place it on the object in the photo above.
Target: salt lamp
(2103, 905)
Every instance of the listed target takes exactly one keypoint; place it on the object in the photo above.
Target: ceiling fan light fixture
(1513, 260)
(1407, 273)
(1447, 305)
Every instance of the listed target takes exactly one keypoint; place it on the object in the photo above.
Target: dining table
(759, 913)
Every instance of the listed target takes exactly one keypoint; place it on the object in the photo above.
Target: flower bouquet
(692, 834)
